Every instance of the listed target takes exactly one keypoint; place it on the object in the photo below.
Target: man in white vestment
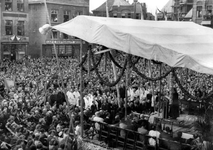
(77, 96)
(70, 97)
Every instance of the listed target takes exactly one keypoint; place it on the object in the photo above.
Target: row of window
(9, 27)
(19, 47)
(66, 16)
(61, 49)
(55, 35)
(128, 15)
(9, 5)
(199, 11)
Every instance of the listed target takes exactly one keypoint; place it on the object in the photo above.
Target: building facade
(202, 12)
(123, 9)
(14, 34)
(58, 11)
(181, 8)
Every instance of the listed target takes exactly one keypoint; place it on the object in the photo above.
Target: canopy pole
(127, 86)
(54, 47)
(171, 88)
(89, 64)
(159, 101)
(107, 10)
(151, 82)
(56, 54)
(81, 89)
(113, 65)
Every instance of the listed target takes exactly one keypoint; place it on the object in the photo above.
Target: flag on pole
(15, 38)
(142, 17)
(107, 10)
(165, 15)
(156, 14)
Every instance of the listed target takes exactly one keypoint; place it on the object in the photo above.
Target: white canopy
(178, 44)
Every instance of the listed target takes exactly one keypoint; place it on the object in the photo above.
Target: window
(20, 28)
(69, 49)
(8, 5)
(6, 48)
(53, 50)
(66, 16)
(137, 16)
(20, 5)
(129, 15)
(115, 15)
(78, 13)
(61, 49)
(54, 34)
(199, 11)
(65, 36)
(209, 10)
(9, 27)
(54, 15)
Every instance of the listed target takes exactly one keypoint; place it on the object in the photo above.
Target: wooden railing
(128, 139)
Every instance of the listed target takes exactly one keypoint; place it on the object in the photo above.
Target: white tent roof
(178, 44)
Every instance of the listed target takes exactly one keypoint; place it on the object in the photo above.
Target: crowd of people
(36, 112)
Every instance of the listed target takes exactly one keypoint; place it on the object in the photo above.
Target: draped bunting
(106, 81)
(133, 60)
(187, 93)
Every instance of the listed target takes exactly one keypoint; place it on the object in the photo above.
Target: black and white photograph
(106, 74)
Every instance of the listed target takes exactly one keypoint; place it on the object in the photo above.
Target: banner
(9, 83)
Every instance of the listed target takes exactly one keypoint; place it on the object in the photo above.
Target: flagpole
(56, 54)
(113, 65)
(54, 46)
(81, 90)
(142, 17)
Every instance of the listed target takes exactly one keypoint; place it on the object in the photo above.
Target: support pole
(151, 82)
(171, 87)
(113, 65)
(89, 64)
(81, 90)
(117, 87)
(127, 86)
(160, 91)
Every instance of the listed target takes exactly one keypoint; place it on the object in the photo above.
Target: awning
(178, 44)
(208, 22)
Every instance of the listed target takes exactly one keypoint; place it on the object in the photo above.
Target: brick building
(123, 9)
(202, 12)
(168, 8)
(14, 33)
(181, 8)
(59, 11)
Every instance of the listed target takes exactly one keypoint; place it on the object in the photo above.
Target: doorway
(13, 52)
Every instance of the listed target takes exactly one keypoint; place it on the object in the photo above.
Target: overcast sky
(151, 4)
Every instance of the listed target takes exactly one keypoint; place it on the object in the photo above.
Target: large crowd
(35, 113)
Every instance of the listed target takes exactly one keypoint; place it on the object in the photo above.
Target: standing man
(70, 97)
(77, 96)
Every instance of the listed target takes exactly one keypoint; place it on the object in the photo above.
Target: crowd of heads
(35, 113)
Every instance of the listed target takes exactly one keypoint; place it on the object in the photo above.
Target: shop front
(14, 47)
(13, 51)
(63, 49)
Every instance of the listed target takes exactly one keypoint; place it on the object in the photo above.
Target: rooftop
(112, 3)
(168, 7)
